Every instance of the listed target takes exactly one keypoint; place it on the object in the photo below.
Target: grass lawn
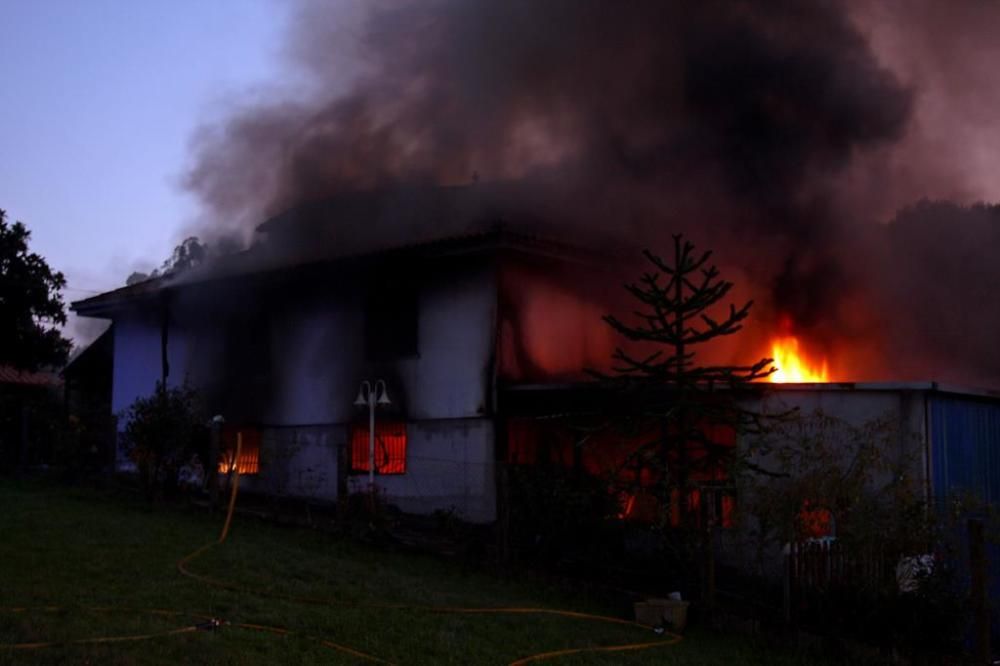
(65, 552)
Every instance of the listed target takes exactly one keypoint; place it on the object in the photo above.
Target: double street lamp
(370, 395)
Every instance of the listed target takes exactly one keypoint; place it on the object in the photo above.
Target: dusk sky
(100, 103)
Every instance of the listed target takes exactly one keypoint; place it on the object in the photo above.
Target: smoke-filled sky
(796, 129)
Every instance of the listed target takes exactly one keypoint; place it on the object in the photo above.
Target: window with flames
(249, 458)
(816, 521)
(390, 448)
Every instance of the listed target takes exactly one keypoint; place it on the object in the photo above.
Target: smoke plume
(771, 132)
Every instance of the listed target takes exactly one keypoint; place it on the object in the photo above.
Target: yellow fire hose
(212, 623)
(107, 639)
(236, 487)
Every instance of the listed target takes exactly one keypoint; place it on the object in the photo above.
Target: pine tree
(666, 399)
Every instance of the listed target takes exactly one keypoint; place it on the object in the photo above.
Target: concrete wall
(902, 409)
(300, 461)
(903, 412)
(449, 467)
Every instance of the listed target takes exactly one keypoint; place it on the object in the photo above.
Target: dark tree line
(31, 305)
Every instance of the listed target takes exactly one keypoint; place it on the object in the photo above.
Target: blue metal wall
(965, 462)
(965, 448)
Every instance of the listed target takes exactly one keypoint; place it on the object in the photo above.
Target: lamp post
(370, 396)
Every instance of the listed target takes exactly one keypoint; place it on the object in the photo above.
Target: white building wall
(322, 356)
(855, 405)
(901, 408)
(138, 363)
(318, 361)
(137, 359)
(451, 377)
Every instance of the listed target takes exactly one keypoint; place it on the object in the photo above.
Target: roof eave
(103, 306)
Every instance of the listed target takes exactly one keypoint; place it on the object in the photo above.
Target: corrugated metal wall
(965, 447)
(965, 463)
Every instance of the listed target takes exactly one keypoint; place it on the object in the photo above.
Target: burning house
(791, 139)
(477, 330)
(280, 350)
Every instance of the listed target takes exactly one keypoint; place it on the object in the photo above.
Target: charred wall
(291, 348)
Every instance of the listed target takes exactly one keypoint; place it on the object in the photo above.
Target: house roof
(409, 222)
(928, 386)
(98, 352)
(120, 296)
(792, 387)
(13, 376)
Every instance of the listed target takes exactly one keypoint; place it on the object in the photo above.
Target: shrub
(863, 482)
(163, 432)
(558, 513)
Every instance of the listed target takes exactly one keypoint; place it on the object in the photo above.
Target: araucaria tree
(682, 415)
(31, 307)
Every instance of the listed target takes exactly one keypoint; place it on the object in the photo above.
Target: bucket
(662, 613)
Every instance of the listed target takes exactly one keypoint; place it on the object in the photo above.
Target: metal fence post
(977, 592)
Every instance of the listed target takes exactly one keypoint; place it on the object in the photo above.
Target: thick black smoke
(940, 296)
(734, 106)
(733, 121)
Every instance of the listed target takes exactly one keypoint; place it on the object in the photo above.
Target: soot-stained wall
(291, 363)
(321, 357)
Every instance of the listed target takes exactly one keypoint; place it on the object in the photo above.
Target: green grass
(76, 550)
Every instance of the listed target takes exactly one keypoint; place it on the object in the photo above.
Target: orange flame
(791, 364)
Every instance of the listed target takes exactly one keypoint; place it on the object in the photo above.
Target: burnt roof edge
(928, 386)
(495, 239)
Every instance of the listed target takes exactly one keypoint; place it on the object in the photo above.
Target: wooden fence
(817, 571)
